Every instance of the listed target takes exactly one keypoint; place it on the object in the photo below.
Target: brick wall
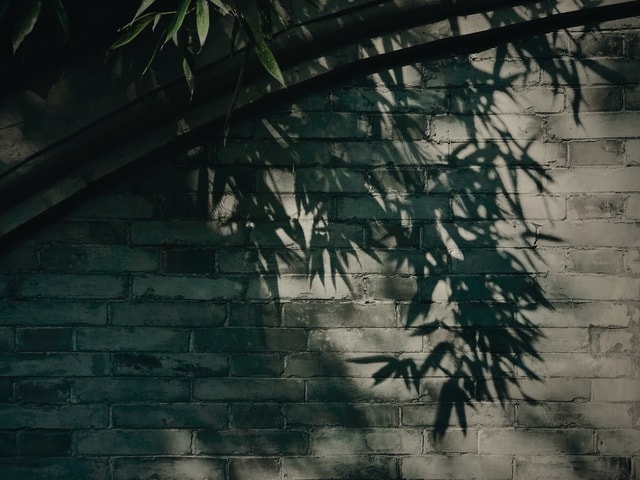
(429, 272)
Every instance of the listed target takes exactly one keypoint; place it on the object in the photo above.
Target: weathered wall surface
(430, 272)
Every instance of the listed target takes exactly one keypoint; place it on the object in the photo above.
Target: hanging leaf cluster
(24, 14)
(187, 26)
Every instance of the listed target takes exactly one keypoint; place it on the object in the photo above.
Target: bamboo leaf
(134, 30)
(188, 75)
(221, 7)
(61, 15)
(144, 5)
(178, 20)
(263, 51)
(26, 23)
(202, 20)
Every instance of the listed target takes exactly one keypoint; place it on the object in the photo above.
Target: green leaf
(133, 30)
(221, 7)
(264, 53)
(202, 20)
(178, 20)
(144, 5)
(63, 19)
(188, 75)
(26, 23)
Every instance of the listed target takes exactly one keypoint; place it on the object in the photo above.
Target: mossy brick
(255, 314)
(174, 415)
(112, 338)
(81, 233)
(186, 233)
(584, 467)
(142, 390)
(54, 364)
(72, 286)
(52, 312)
(596, 153)
(308, 467)
(298, 314)
(256, 365)
(612, 340)
(465, 467)
(66, 417)
(582, 207)
(251, 442)
(133, 442)
(333, 441)
(149, 313)
(98, 258)
(18, 259)
(49, 468)
(618, 442)
(170, 365)
(116, 206)
(239, 339)
(356, 415)
(194, 288)
(325, 125)
(198, 260)
(248, 389)
(44, 339)
(8, 444)
(262, 468)
(45, 443)
(595, 415)
(43, 390)
(483, 414)
(535, 441)
(185, 468)
(364, 340)
(256, 415)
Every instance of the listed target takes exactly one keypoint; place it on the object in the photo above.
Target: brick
(256, 415)
(595, 261)
(358, 389)
(98, 233)
(593, 125)
(52, 312)
(619, 442)
(511, 100)
(632, 149)
(379, 208)
(463, 467)
(188, 261)
(326, 125)
(355, 466)
(528, 441)
(560, 340)
(250, 340)
(72, 286)
(7, 339)
(596, 153)
(116, 206)
(255, 314)
(262, 468)
(8, 444)
(98, 259)
(133, 442)
(632, 211)
(53, 417)
(256, 365)
(612, 341)
(6, 390)
(248, 389)
(45, 443)
(632, 261)
(196, 288)
(298, 153)
(189, 233)
(616, 390)
(632, 97)
(592, 287)
(383, 440)
(256, 442)
(131, 390)
(598, 99)
(48, 468)
(392, 288)
(18, 259)
(383, 153)
(556, 467)
(583, 315)
(326, 180)
(483, 414)
(358, 415)
(551, 389)
(391, 126)
(43, 391)
(583, 365)
(591, 180)
(598, 44)
(595, 415)
(608, 71)
(364, 340)
(54, 364)
(340, 287)
(527, 207)
(169, 178)
(390, 100)
(175, 415)
(328, 315)
(179, 314)
(44, 340)
(464, 127)
(186, 468)
(595, 206)
(171, 365)
(455, 440)
(132, 338)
